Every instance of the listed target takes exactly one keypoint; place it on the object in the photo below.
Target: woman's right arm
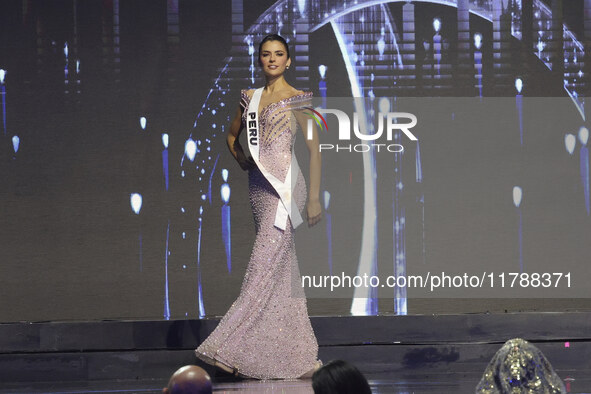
(246, 163)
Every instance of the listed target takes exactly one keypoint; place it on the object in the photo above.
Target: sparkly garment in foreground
(266, 334)
(519, 368)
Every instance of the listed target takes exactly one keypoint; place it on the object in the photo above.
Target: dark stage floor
(398, 354)
(442, 383)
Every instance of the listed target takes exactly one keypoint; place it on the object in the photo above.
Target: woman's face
(273, 58)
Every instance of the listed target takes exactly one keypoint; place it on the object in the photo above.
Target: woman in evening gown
(266, 333)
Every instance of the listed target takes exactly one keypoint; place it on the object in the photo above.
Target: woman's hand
(246, 163)
(314, 212)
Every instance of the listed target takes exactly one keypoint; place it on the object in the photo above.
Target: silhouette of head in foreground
(339, 377)
(189, 379)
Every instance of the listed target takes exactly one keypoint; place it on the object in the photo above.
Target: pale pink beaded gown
(266, 333)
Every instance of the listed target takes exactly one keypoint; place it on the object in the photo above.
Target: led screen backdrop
(120, 199)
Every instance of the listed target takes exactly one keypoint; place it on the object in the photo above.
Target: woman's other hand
(246, 163)
(314, 212)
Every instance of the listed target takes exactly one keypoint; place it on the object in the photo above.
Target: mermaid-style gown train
(266, 333)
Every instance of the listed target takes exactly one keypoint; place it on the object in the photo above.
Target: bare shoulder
(297, 92)
(293, 92)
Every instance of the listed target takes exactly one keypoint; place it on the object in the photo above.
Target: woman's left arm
(313, 208)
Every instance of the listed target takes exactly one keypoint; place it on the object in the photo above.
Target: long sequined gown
(520, 368)
(266, 333)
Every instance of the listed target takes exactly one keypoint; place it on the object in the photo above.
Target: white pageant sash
(284, 188)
